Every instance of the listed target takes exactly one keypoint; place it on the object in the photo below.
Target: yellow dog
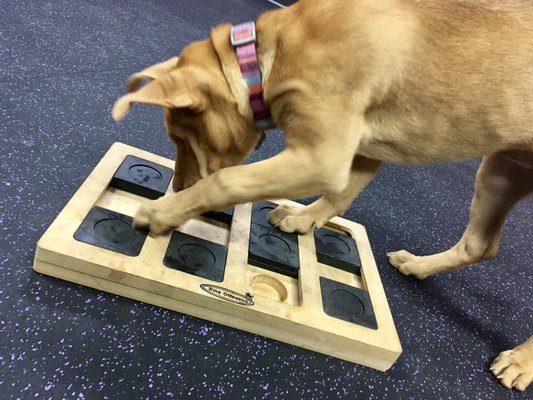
(353, 84)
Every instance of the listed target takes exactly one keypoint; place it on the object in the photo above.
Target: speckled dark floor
(63, 64)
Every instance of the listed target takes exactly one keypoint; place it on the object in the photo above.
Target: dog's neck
(244, 41)
(231, 69)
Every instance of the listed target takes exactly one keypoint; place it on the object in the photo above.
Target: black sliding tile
(260, 212)
(337, 250)
(270, 248)
(196, 256)
(274, 250)
(347, 303)
(142, 177)
(112, 231)
(225, 216)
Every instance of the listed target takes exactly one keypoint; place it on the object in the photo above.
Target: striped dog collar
(243, 38)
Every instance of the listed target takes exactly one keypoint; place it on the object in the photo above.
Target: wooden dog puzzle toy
(320, 291)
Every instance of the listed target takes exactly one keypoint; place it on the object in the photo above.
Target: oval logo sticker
(228, 295)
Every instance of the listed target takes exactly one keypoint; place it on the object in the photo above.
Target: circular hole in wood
(114, 230)
(144, 173)
(268, 286)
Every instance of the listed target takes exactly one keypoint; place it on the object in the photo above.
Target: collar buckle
(243, 34)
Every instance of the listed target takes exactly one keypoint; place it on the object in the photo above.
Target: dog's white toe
(513, 369)
(147, 217)
(408, 264)
(290, 220)
(279, 213)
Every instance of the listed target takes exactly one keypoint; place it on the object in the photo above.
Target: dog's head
(203, 116)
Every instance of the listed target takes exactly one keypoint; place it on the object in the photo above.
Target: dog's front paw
(280, 212)
(409, 264)
(514, 368)
(148, 217)
(290, 219)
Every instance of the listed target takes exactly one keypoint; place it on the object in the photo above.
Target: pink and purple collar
(243, 39)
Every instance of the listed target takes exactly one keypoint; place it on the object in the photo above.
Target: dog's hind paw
(409, 264)
(514, 368)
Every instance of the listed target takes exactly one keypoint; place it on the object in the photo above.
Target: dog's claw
(513, 369)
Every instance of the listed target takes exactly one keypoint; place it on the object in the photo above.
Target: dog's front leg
(291, 174)
(317, 214)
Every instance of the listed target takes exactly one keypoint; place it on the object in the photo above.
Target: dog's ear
(177, 89)
(149, 74)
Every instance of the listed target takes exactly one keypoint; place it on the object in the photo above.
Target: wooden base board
(248, 298)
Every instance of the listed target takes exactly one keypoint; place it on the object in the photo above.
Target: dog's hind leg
(317, 214)
(502, 180)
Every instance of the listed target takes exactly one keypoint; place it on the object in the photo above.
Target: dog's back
(459, 71)
(473, 73)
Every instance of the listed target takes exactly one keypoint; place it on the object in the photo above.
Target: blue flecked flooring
(62, 65)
